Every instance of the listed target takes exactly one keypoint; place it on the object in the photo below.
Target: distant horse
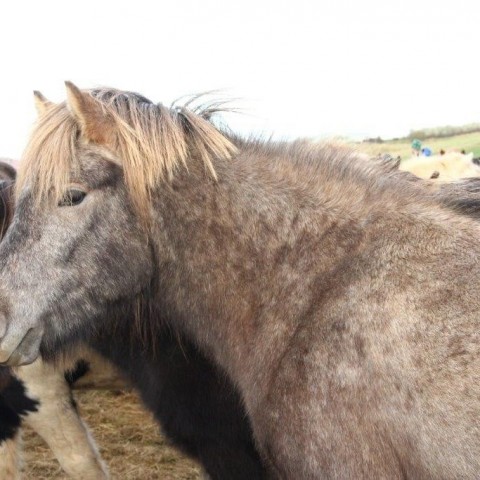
(198, 409)
(448, 167)
(342, 302)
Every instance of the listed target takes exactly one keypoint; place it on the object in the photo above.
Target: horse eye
(72, 197)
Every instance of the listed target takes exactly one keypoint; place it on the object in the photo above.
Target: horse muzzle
(18, 347)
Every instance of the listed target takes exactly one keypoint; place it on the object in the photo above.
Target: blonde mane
(150, 140)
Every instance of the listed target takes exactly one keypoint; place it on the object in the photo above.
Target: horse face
(62, 265)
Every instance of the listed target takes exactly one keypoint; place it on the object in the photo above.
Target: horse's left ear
(41, 103)
(95, 124)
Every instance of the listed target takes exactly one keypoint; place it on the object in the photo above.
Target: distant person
(416, 147)
(426, 152)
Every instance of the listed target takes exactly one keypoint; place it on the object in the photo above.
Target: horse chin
(27, 351)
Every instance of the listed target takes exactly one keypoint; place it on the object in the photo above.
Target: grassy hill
(470, 142)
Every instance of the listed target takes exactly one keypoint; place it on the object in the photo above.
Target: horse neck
(226, 252)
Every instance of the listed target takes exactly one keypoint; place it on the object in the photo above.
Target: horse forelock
(151, 142)
(48, 158)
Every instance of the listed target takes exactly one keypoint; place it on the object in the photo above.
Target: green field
(470, 142)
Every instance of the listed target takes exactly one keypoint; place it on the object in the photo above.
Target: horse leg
(58, 423)
(10, 458)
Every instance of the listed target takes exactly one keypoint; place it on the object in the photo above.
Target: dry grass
(128, 438)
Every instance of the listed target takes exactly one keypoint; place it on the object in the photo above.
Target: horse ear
(41, 103)
(94, 122)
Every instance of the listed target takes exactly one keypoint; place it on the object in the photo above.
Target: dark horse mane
(461, 196)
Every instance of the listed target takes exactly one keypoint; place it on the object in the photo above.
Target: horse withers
(342, 302)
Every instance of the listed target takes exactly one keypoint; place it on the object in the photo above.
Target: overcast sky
(316, 68)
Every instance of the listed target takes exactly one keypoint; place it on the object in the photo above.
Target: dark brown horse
(341, 301)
